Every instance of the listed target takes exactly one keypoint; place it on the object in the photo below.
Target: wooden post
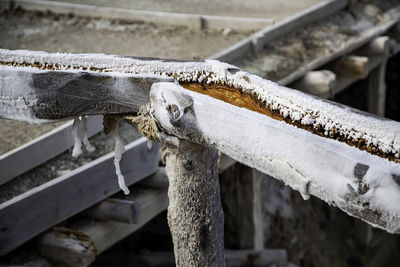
(195, 214)
(376, 80)
(241, 196)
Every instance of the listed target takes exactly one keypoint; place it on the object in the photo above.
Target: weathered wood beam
(114, 209)
(260, 257)
(362, 140)
(42, 149)
(376, 80)
(192, 21)
(105, 234)
(242, 204)
(67, 247)
(319, 83)
(335, 172)
(71, 194)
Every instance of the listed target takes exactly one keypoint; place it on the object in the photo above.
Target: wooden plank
(42, 149)
(192, 21)
(265, 257)
(366, 37)
(376, 81)
(105, 234)
(255, 42)
(25, 216)
(241, 198)
(301, 19)
(67, 247)
(280, 150)
(114, 209)
(319, 82)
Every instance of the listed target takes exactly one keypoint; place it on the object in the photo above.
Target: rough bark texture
(195, 214)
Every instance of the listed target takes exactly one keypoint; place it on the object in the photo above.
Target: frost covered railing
(345, 157)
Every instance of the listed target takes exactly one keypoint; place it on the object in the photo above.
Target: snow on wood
(346, 157)
(366, 132)
(362, 184)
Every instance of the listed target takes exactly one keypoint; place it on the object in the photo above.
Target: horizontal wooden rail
(41, 149)
(192, 21)
(26, 215)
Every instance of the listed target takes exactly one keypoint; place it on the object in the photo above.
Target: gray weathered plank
(27, 215)
(42, 149)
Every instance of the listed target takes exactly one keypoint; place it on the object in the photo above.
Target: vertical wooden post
(195, 214)
(376, 80)
(241, 195)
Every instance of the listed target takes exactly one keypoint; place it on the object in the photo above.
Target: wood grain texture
(27, 215)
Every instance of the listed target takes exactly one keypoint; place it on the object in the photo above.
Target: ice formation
(85, 139)
(119, 149)
(77, 150)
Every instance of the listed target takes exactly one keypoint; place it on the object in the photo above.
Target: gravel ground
(65, 163)
(286, 54)
(276, 10)
(54, 33)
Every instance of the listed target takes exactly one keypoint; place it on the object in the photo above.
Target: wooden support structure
(256, 258)
(192, 21)
(319, 83)
(241, 198)
(42, 149)
(376, 81)
(105, 234)
(66, 247)
(71, 194)
(114, 209)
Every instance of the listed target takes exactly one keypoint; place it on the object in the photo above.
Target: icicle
(77, 150)
(85, 140)
(149, 144)
(118, 151)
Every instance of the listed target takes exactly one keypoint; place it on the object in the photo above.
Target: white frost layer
(300, 107)
(119, 149)
(77, 150)
(307, 162)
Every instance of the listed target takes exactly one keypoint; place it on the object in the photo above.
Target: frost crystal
(77, 150)
(85, 140)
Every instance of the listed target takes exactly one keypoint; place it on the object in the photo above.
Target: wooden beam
(105, 234)
(362, 40)
(261, 257)
(319, 83)
(192, 21)
(114, 209)
(241, 198)
(71, 193)
(42, 149)
(355, 66)
(65, 246)
(280, 150)
(255, 42)
(376, 81)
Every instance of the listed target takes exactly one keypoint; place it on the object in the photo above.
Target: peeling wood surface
(306, 162)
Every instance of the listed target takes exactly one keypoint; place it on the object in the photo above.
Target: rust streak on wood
(237, 98)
